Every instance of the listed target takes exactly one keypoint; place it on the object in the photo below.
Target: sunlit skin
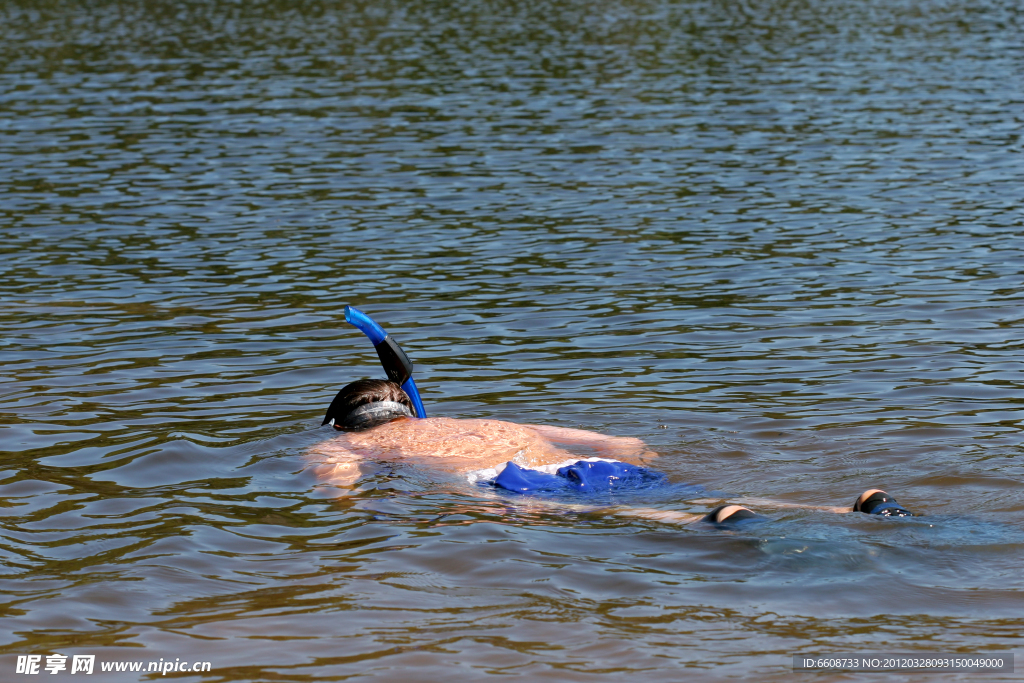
(468, 445)
(464, 446)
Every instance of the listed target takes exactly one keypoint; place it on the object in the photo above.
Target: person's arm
(332, 463)
(612, 446)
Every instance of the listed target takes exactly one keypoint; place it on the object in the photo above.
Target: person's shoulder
(467, 421)
(436, 420)
(439, 424)
(480, 426)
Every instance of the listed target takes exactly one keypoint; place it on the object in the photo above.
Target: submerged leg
(773, 504)
(872, 502)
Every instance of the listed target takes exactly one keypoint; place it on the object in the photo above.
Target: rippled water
(781, 241)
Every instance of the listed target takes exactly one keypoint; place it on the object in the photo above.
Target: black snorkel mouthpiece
(393, 358)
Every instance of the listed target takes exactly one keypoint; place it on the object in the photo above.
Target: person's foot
(729, 514)
(878, 502)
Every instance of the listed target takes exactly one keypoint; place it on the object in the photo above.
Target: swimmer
(386, 420)
(375, 420)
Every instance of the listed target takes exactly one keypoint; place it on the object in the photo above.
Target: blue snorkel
(395, 362)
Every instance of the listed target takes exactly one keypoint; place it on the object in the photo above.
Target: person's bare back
(463, 446)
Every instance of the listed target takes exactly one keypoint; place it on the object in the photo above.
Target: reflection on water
(779, 241)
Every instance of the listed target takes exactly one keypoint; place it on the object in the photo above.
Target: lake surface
(780, 241)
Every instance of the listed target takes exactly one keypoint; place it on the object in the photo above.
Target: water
(779, 241)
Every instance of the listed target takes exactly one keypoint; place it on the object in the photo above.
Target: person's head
(367, 403)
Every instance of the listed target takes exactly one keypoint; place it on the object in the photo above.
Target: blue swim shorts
(586, 476)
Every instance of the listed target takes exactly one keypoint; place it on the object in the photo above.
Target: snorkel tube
(392, 357)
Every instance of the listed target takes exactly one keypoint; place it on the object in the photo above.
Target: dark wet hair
(367, 403)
